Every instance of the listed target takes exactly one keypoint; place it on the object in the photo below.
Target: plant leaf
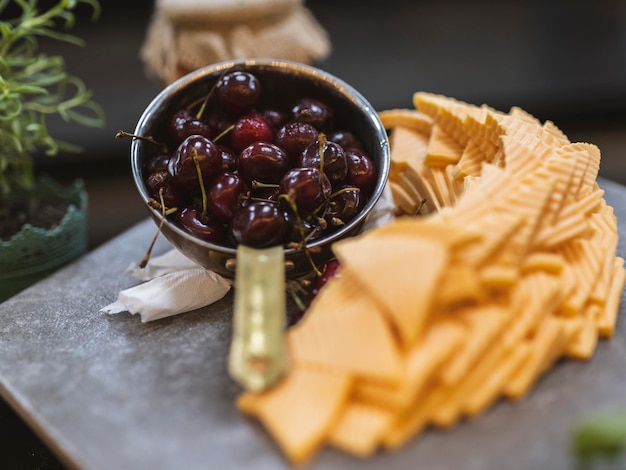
(600, 436)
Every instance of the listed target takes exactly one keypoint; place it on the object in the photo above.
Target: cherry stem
(204, 103)
(303, 236)
(209, 94)
(224, 132)
(318, 273)
(321, 222)
(259, 185)
(297, 300)
(170, 211)
(310, 235)
(194, 155)
(157, 205)
(144, 262)
(292, 205)
(122, 134)
(344, 190)
(334, 195)
(420, 206)
(322, 140)
(260, 199)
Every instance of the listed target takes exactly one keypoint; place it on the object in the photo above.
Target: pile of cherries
(236, 173)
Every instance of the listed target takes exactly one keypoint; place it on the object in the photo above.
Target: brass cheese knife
(258, 352)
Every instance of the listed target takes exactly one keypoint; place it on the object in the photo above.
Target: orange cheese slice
(553, 135)
(537, 295)
(360, 429)
(301, 410)
(406, 203)
(402, 291)
(344, 329)
(407, 118)
(561, 166)
(408, 146)
(459, 284)
(489, 387)
(585, 259)
(468, 390)
(546, 346)
(409, 425)
(484, 130)
(471, 161)
(543, 261)
(498, 227)
(447, 113)
(484, 323)
(443, 339)
(608, 317)
(583, 343)
(442, 149)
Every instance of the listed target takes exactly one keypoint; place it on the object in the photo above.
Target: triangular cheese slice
(345, 329)
(400, 271)
(300, 410)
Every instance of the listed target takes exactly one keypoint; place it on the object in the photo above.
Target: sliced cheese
(360, 429)
(327, 337)
(396, 284)
(300, 430)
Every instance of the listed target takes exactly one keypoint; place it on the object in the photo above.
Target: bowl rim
(345, 89)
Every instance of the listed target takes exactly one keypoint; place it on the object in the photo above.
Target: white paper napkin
(173, 284)
(383, 212)
(170, 262)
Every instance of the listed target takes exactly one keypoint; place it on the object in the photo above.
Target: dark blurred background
(563, 60)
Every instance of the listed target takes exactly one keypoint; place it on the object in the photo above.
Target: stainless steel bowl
(285, 81)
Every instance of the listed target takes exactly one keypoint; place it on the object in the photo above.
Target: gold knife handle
(258, 352)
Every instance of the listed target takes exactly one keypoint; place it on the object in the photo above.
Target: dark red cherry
(335, 164)
(249, 129)
(229, 158)
(301, 229)
(313, 112)
(344, 138)
(259, 224)
(270, 194)
(156, 181)
(158, 163)
(200, 224)
(344, 206)
(307, 187)
(182, 167)
(219, 121)
(238, 92)
(226, 196)
(362, 172)
(183, 124)
(276, 118)
(329, 270)
(172, 196)
(294, 137)
(262, 162)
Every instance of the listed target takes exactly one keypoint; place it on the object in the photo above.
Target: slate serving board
(109, 392)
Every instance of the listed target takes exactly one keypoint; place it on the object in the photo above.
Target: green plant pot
(34, 253)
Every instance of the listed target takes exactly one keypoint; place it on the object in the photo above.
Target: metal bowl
(284, 82)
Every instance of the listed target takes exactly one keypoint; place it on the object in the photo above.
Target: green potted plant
(42, 224)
